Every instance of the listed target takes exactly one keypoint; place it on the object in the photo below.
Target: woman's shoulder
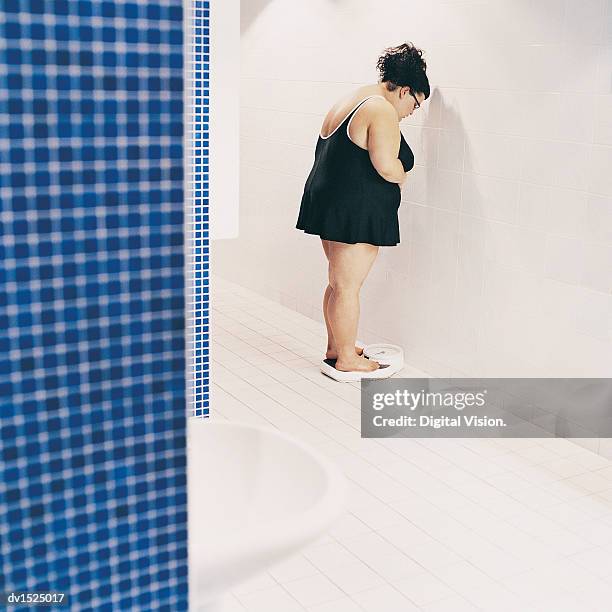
(357, 95)
(375, 106)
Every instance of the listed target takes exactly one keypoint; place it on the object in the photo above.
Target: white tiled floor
(434, 525)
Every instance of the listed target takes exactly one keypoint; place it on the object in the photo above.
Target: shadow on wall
(439, 250)
(249, 11)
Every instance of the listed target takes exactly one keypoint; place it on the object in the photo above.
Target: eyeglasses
(415, 99)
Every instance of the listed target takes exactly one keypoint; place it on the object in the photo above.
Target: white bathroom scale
(389, 356)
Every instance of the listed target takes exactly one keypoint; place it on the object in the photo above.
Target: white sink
(256, 496)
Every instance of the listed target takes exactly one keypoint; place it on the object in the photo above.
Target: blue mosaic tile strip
(92, 321)
(200, 56)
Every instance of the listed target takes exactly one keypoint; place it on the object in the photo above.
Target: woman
(353, 192)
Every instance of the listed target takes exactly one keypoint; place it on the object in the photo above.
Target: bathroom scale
(389, 356)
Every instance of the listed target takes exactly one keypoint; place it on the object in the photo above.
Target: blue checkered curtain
(92, 325)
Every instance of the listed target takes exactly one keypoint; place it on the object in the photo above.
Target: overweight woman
(353, 191)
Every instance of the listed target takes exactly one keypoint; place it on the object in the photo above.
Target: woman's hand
(401, 184)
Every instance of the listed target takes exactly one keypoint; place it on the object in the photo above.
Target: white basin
(256, 496)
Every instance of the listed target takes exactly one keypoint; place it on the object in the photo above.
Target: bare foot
(333, 354)
(359, 364)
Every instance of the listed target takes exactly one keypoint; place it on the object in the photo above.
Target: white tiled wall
(505, 264)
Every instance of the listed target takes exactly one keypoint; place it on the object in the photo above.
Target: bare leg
(331, 352)
(330, 335)
(349, 265)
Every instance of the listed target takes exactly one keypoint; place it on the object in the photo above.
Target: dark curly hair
(403, 66)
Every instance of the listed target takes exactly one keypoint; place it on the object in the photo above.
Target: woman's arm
(384, 143)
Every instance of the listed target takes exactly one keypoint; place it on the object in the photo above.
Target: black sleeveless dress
(345, 199)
